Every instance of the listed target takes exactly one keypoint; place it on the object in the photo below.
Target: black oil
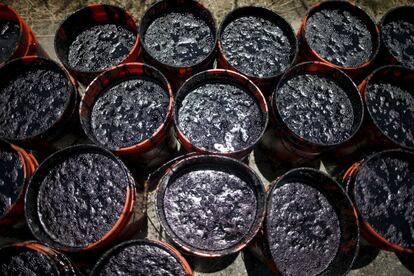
(340, 37)
(179, 39)
(32, 101)
(142, 259)
(220, 117)
(24, 261)
(129, 112)
(11, 179)
(398, 37)
(384, 193)
(392, 109)
(257, 46)
(316, 108)
(303, 228)
(100, 47)
(9, 38)
(210, 209)
(81, 198)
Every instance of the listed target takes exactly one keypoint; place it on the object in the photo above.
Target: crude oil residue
(11, 179)
(9, 38)
(100, 47)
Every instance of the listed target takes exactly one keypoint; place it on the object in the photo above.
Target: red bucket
(292, 140)
(151, 151)
(42, 127)
(72, 167)
(33, 257)
(15, 159)
(212, 248)
(293, 227)
(25, 43)
(154, 256)
(264, 81)
(379, 183)
(188, 10)
(356, 69)
(72, 32)
(396, 23)
(194, 140)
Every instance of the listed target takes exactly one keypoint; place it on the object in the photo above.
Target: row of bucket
(349, 196)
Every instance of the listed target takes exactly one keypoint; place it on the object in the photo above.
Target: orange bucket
(125, 223)
(373, 169)
(27, 164)
(26, 43)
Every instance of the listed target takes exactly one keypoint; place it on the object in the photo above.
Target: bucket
(34, 258)
(210, 208)
(95, 38)
(170, 45)
(397, 23)
(26, 85)
(257, 43)
(380, 187)
(17, 39)
(340, 34)
(203, 127)
(142, 257)
(16, 168)
(98, 202)
(310, 226)
(316, 107)
(125, 91)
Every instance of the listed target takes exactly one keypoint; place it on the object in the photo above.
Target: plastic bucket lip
(13, 16)
(384, 73)
(368, 231)
(315, 67)
(80, 13)
(231, 77)
(265, 13)
(31, 210)
(116, 74)
(163, 245)
(338, 198)
(191, 6)
(353, 8)
(33, 61)
(199, 160)
(391, 14)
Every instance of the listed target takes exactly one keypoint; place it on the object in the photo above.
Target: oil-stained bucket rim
(183, 164)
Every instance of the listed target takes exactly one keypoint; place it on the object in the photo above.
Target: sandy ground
(44, 17)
